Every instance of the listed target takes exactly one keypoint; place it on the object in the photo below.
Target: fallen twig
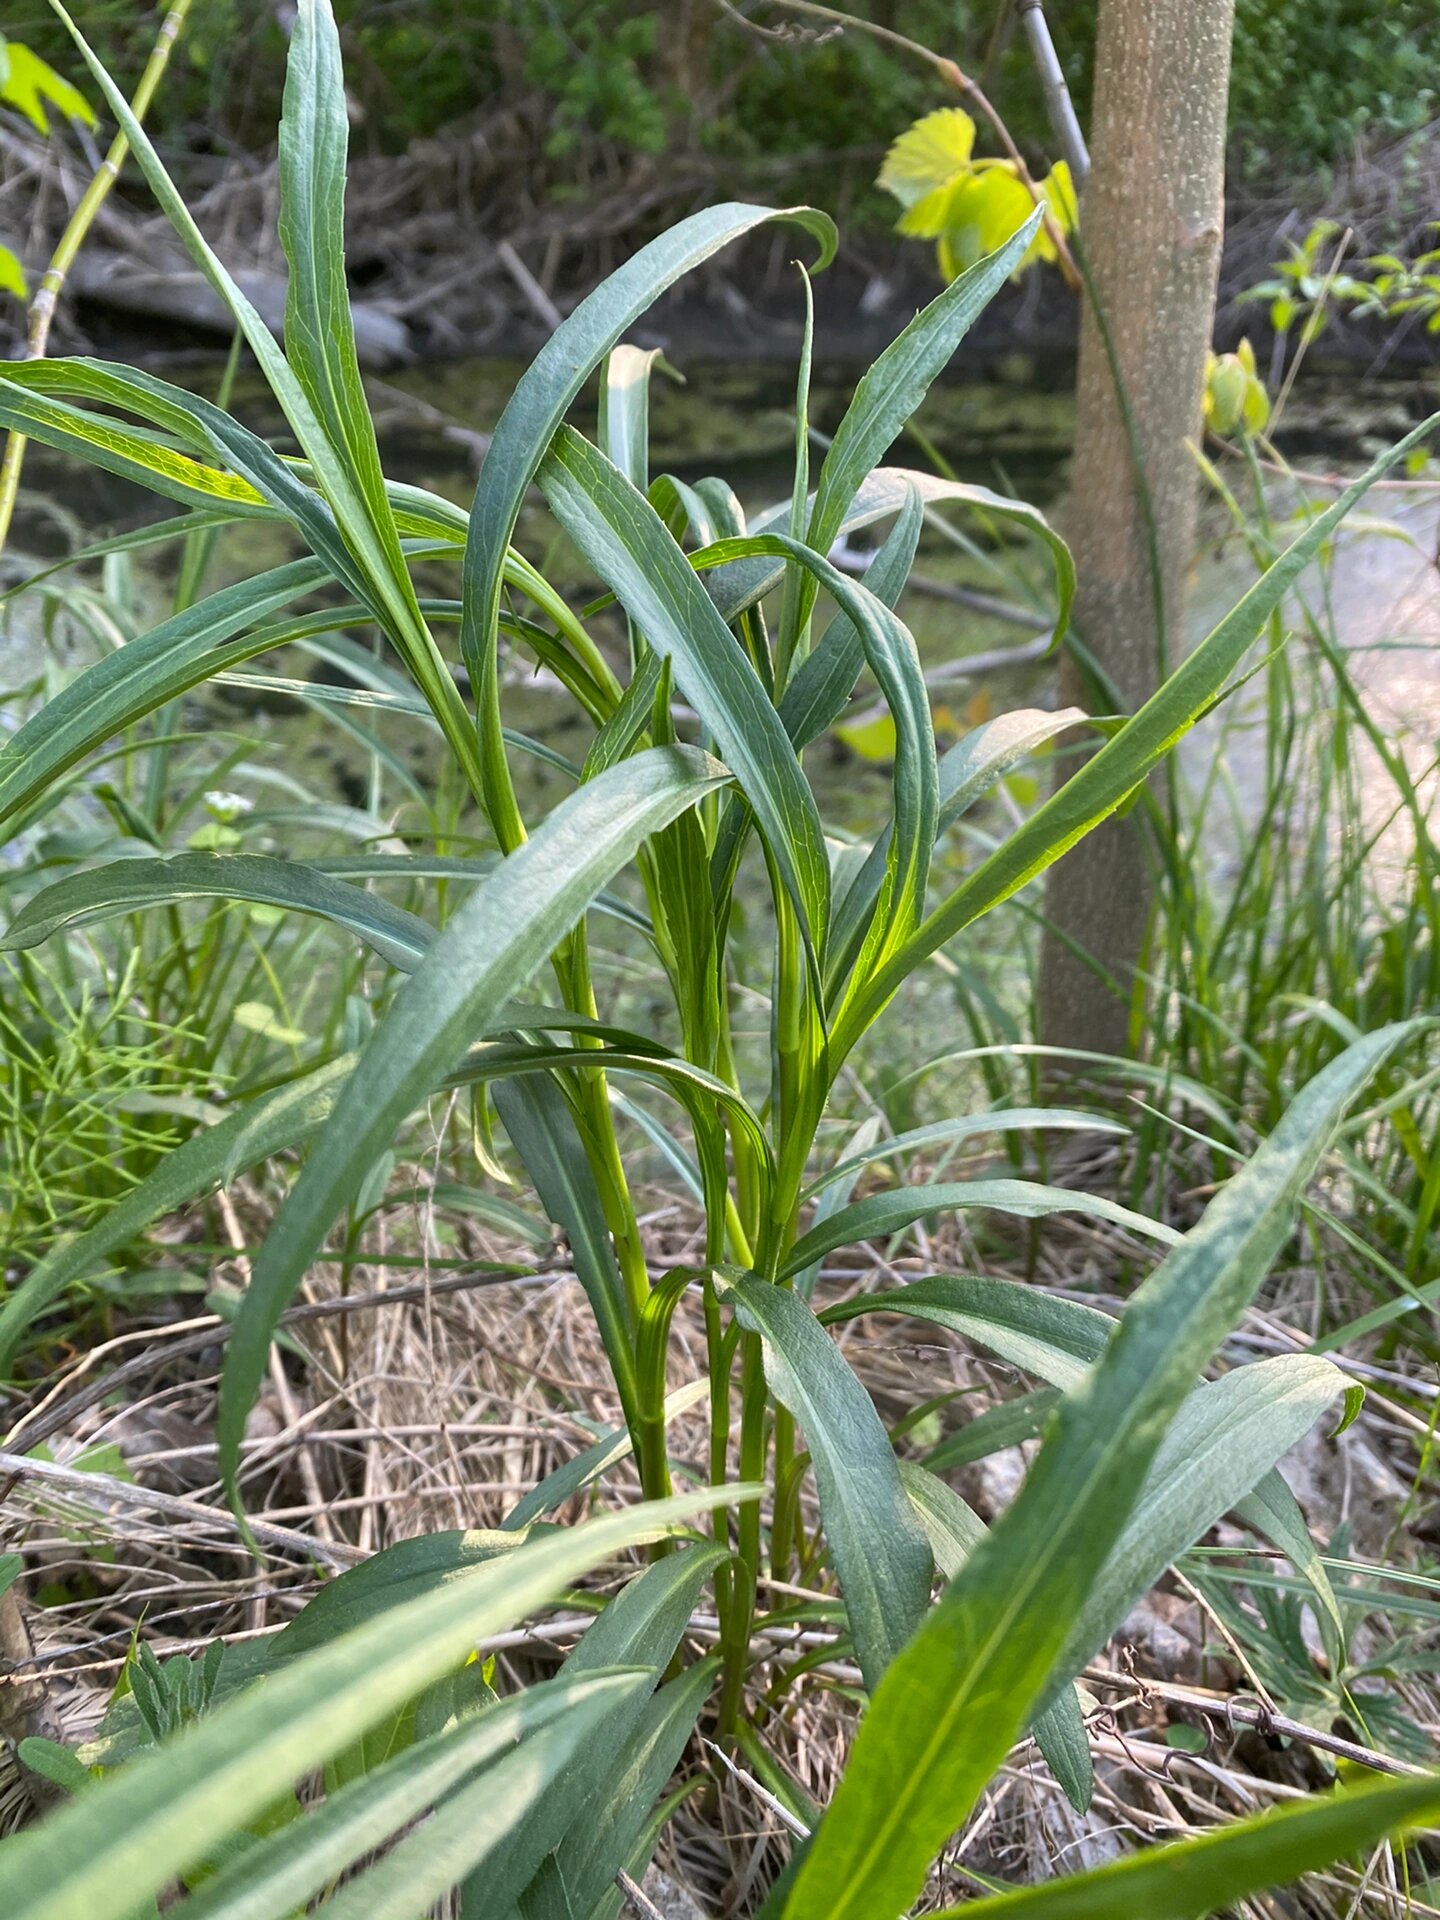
(1225, 1710)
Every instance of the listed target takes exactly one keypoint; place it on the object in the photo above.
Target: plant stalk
(43, 306)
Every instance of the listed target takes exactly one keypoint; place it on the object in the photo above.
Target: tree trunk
(1151, 222)
(687, 28)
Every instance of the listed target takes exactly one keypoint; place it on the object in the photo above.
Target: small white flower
(226, 807)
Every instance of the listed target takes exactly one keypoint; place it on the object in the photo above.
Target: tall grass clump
(1303, 904)
(693, 780)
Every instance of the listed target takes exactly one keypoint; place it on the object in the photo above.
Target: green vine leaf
(928, 155)
(27, 83)
(969, 207)
(12, 275)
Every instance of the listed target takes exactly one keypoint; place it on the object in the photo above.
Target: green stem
(782, 1523)
(735, 1634)
(652, 1344)
(42, 309)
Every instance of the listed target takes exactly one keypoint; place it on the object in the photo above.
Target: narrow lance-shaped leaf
(886, 1213)
(162, 1813)
(536, 409)
(880, 1551)
(624, 419)
(543, 1132)
(738, 584)
(584, 1469)
(1273, 1511)
(641, 1627)
(128, 886)
(1123, 763)
(581, 1873)
(124, 451)
(1216, 1870)
(625, 541)
(1006, 1424)
(506, 1807)
(485, 954)
(945, 1133)
(319, 329)
(952, 1704)
(273, 1880)
(1224, 1440)
(896, 384)
(1060, 1340)
(969, 769)
(890, 653)
(821, 685)
(369, 534)
(954, 1531)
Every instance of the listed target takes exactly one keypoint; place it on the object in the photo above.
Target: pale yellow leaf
(928, 155)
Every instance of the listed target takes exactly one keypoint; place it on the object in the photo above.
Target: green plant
(32, 87)
(28, 83)
(969, 206)
(92, 1096)
(1308, 86)
(1329, 924)
(372, 1680)
(1306, 289)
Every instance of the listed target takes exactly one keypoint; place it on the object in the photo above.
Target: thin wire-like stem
(1061, 108)
(1310, 331)
(44, 305)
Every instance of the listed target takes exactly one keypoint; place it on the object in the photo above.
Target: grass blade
(206, 1161)
(1107, 780)
(132, 681)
